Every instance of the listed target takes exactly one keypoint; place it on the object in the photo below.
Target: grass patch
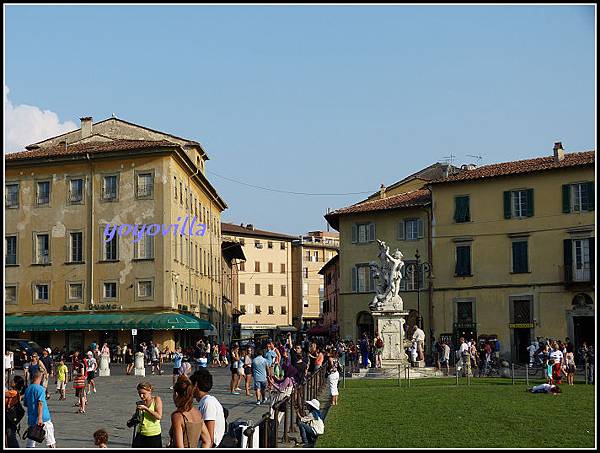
(435, 413)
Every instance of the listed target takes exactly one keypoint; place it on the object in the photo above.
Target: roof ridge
(375, 200)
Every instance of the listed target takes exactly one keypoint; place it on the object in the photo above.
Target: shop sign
(525, 325)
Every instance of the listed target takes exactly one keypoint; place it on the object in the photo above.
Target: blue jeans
(307, 434)
(365, 359)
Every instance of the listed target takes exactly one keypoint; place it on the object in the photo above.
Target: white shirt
(211, 409)
(464, 347)
(8, 361)
(556, 355)
(532, 348)
(419, 335)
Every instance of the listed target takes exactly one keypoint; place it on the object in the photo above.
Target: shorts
(90, 376)
(49, 428)
(155, 363)
(234, 371)
(79, 392)
(61, 385)
(177, 371)
(248, 371)
(260, 385)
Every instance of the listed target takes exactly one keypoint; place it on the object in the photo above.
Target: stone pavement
(114, 404)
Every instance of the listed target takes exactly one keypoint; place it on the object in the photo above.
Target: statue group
(388, 275)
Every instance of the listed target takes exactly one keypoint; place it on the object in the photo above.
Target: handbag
(14, 414)
(36, 433)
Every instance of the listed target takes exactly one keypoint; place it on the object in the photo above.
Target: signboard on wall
(525, 325)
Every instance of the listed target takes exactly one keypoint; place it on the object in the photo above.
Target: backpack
(379, 343)
(14, 415)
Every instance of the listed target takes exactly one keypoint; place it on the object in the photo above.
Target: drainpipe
(430, 259)
(91, 229)
(190, 243)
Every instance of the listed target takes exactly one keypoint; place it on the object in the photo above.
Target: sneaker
(235, 393)
(94, 392)
(171, 388)
(258, 403)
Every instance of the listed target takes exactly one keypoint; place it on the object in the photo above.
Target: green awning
(106, 321)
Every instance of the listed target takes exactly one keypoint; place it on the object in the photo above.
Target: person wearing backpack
(13, 410)
(378, 350)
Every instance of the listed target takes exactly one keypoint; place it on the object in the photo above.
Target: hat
(314, 403)
(49, 350)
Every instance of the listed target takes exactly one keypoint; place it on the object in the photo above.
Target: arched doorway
(581, 325)
(364, 323)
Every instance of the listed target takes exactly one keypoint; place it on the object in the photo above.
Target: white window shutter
(354, 279)
(401, 230)
(354, 234)
(371, 232)
(420, 226)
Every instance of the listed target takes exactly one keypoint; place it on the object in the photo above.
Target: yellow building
(67, 285)
(309, 254)
(265, 280)
(513, 251)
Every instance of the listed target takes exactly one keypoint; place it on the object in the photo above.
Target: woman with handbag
(187, 425)
(150, 413)
(13, 410)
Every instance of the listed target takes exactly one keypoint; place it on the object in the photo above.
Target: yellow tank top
(150, 426)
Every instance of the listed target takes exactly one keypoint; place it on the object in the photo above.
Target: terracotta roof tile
(237, 230)
(92, 148)
(521, 166)
(419, 197)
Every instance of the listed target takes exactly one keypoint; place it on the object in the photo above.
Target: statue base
(390, 325)
(420, 364)
(104, 373)
(139, 372)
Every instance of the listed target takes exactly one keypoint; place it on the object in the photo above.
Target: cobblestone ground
(114, 404)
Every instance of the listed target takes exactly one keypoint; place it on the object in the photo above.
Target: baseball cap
(314, 403)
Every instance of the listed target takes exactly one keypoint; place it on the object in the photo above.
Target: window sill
(75, 203)
(109, 261)
(466, 275)
(11, 265)
(142, 259)
(517, 273)
(108, 200)
(45, 205)
(460, 223)
(11, 207)
(145, 197)
(41, 264)
(74, 262)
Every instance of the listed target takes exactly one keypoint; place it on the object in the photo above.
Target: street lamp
(419, 268)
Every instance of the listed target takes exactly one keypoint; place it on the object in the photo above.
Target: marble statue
(388, 276)
(104, 368)
(140, 369)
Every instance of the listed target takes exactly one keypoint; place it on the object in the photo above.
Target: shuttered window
(461, 209)
(518, 203)
(463, 260)
(520, 257)
(363, 233)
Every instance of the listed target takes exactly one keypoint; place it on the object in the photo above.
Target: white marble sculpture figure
(104, 367)
(388, 276)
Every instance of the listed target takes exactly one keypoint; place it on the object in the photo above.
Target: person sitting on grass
(545, 388)
(311, 425)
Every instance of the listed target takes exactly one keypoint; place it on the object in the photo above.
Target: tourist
(333, 376)
(545, 388)
(310, 425)
(222, 354)
(581, 353)
(186, 367)
(247, 361)
(14, 411)
(474, 356)
(590, 360)
(271, 355)
(300, 365)
(260, 373)
(215, 355)
(36, 365)
(570, 368)
(312, 357)
(155, 358)
(210, 408)
(37, 410)
(119, 354)
(177, 362)
(198, 350)
(319, 360)
(419, 337)
(532, 349)
(128, 357)
(79, 385)
(364, 350)
(62, 377)
(445, 357)
(105, 351)
(465, 358)
(150, 414)
(91, 365)
(75, 363)
(438, 350)
(9, 365)
(187, 425)
(235, 376)
(101, 438)
(46, 359)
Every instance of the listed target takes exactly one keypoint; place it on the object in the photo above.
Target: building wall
(493, 286)
(332, 294)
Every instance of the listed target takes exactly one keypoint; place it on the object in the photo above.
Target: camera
(135, 420)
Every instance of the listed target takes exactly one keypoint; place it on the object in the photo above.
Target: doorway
(583, 330)
(364, 324)
(75, 341)
(521, 340)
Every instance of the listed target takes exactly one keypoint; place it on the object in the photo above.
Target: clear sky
(314, 99)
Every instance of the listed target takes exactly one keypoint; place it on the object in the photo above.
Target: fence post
(344, 375)
(512, 366)
(276, 413)
(456, 371)
(527, 374)
(286, 421)
(408, 376)
(586, 373)
(399, 384)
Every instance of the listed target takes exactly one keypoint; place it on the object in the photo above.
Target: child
(570, 368)
(62, 377)
(101, 438)
(549, 370)
(203, 361)
(91, 365)
(79, 386)
(557, 372)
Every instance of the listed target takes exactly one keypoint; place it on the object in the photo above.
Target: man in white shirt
(465, 356)
(9, 365)
(532, 348)
(209, 407)
(419, 337)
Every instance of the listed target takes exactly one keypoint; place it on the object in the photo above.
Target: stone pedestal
(140, 369)
(390, 325)
(104, 368)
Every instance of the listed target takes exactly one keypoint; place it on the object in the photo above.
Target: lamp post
(420, 268)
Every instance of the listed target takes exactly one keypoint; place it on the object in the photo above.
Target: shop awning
(286, 328)
(106, 321)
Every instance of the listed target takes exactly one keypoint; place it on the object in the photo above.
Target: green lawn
(435, 413)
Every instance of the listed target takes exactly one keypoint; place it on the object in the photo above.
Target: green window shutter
(371, 232)
(529, 202)
(466, 210)
(568, 259)
(463, 260)
(507, 210)
(467, 263)
(461, 209)
(566, 198)
(591, 199)
(420, 227)
(519, 257)
(591, 244)
(354, 234)
(401, 230)
(456, 209)
(354, 279)
(458, 266)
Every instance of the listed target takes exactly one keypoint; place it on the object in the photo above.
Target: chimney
(86, 126)
(382, 191)
(445, 169)
(559, 152)
(250, 226)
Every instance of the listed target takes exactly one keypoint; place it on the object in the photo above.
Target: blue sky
(316, 99)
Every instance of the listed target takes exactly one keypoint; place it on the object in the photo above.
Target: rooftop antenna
(449, 159)
(475, 157)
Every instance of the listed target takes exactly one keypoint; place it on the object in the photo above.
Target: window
(145, 288)
(410, 229)
(257, 289)
(145, 185)
(109, 249)
(463, 261)
(75, 291)
(363, 233)
(579, 260)
(283, 310)
(42, 249)
(43, 193)
(461, 209)
(410, 280)
(257, 266)
(283, 292)
(109, 188)
(76, 247)
(270, 288)
(282, 245)
(110, 290)
(76, 190)
(144, 249)
(11, 249)
(42, 293)
(257, 310)
(175, 186)
(464, 312)
(12, 195)
(242, 266)
(362, 280)
(578, 197)
(271, 310)
(282, 268)
(269, 245)
(243, 309)
(242, 288)
(270, 266)
(519, 257)
(305, 303)
(10, 294)
(181, 194)
(305, 272)
(316, 256)
(518, 203)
